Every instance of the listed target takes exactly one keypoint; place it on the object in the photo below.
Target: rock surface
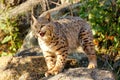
(18, 68)
(83, 74)
(34, 67)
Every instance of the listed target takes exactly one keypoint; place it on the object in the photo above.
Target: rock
(83, 74)
(34, 67)
(22, 68)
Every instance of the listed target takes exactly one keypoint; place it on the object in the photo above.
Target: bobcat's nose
(42, 34)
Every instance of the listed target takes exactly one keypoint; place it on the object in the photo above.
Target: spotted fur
(57, 38)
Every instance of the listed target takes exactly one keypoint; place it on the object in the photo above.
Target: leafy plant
(105, 20)
(11, 38)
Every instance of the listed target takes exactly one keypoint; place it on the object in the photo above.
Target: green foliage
(11, 39)
(105, 20)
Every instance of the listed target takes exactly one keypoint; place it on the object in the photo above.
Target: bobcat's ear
(34, 19)
(48, 16)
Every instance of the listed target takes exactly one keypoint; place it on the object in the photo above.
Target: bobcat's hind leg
(86, 41)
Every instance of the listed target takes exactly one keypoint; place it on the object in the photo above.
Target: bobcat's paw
(51, 72)
(92, 65)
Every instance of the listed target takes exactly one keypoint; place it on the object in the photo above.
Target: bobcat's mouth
(42, 34)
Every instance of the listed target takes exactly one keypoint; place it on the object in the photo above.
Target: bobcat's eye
(38, 31)
(42, 25)
(49, 26)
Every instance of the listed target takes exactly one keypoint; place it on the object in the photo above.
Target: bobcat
(57, 38)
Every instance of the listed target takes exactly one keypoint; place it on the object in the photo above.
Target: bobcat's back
(71, 27)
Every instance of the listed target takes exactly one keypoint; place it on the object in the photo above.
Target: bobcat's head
(42, 27)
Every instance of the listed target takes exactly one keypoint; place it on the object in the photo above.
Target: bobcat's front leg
(50, 59)
(60, 62)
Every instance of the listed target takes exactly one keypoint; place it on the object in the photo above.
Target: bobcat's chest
(43, 45)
